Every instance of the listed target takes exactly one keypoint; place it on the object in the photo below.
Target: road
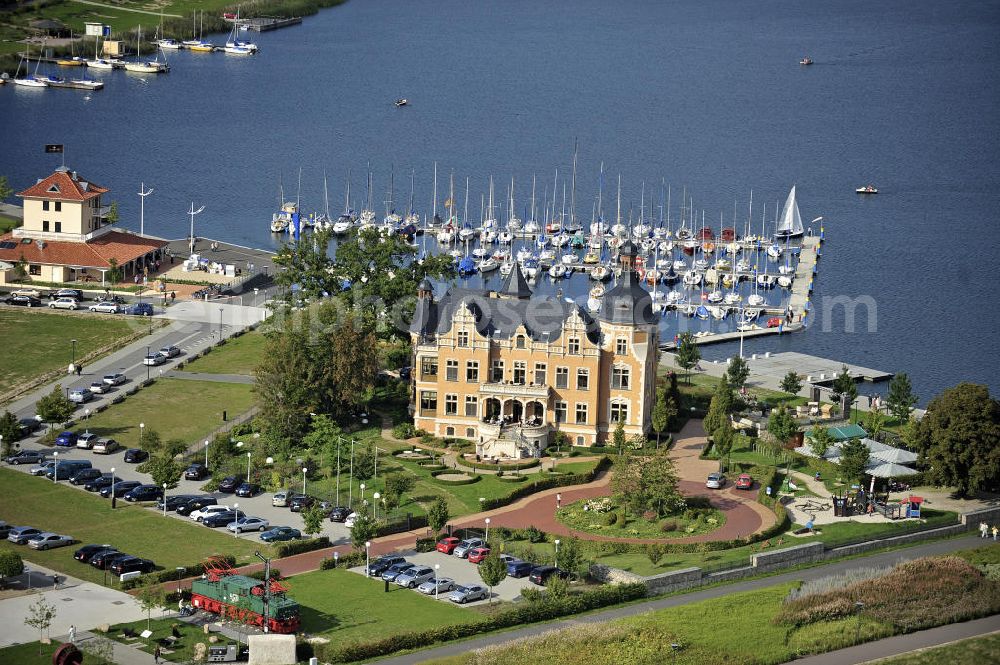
(880, 559)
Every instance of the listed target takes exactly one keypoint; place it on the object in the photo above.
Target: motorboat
(692, 278)
(557, 271)
(506, 237)
(774, 251)
(570, 259)
(755, 300)
(488, 264)
(806, 61)
(591, 258)
(281, 220)
(702, 312)
(675, 298)
(765, 280)
(718, 313)
(169, 44)
(750, 314)
(715, 297)
(732, 298)
(402, 101)
(560, 240)
(784, 281)
(600, 273)
(446, 235)
(75, 61)
(100, 63)
(466, 267)
(867, 189)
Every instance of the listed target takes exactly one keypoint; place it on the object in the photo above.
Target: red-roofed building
(66, 236)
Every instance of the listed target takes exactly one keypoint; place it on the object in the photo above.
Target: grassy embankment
(238, 355)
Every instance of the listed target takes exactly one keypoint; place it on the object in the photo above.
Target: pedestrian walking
(984, 530)
(72, 634)
(995, 531)
(173, 296)
(79, 369)
(156, 655)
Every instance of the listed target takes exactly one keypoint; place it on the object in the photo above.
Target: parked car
(84, 476)
(463, 548)
(64, 303)
(139, 309)
(477, 554)
(221, 518)
(518, 568)
(120, 488)
(102, 560)
(115, 379)
(86, 440)
(81, 395)
(98, 484)
(19, 300)
(248, 489)
(4, 529)
(42, 468)
(280, 498)
(206, 510)
(715, 481)
(105, 307)
(144, 493)
(349, 522)
(436, 585)
(27, 291)
(229, 484)
(84, 554)
(339, 513)
(75, 294)
(248, 524)
(29, 426)
(154, 359)
(19, 535)
(131, 564)
(48, 541)
(414, 577)
(67, 439)
(195, 504)
(170, 351)
(301, 502)
(395, 570)
(381, 564)
(744, 482)
(136, 455)
(196, 472)
(447, 545)
(175, 501)
(541, 574)
(467, 594)
(106, 447)
(280, 533)
(99, 388)
(26, 457)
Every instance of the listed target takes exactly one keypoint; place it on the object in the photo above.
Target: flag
(53, 147)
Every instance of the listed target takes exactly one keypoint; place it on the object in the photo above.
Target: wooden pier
(265, 24)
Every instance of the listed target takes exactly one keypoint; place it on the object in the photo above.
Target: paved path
(882, 559)
(124, 654)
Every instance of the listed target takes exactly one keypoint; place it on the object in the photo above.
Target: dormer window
(520, 341)
(54, 189)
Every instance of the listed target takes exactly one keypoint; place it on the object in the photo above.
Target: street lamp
(375, 506)
(73, 362)
(55, 466)
(206, 453)
(249, 453)
(112, 488)
(304, 471)
(164, 499)
(220, 322)
(142, 428)
(437, 580)
(858, 606)
(487, 538)
(557, 553)
(86, 415)
(236, 518)
(362, 492)
(368, 560)
(142, 207)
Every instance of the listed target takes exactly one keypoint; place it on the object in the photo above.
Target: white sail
(790, 223)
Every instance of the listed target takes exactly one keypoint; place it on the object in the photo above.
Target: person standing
(995, 531)
(156, 654)
(72, 634)
(984, 530)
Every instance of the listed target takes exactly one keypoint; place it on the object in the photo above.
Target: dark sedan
(175, 501)
(279, 533)
(541, 574)
(301, 502)
(248, 489)
(121, 488)
(197, 503)
(26, 457)
(28, 426)
(98, 484)
(85, 476)
(381, 564)
(24, 301)
(131, 564)
(222, 518)
(85, 553)
(136, 455)
(229, 484)
(196, 472)
(144, 493)
(520, 568)
(339, 513)
(104, 560)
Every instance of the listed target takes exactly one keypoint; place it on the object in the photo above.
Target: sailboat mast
(435, 202)
(572, 196)
(465, 213)
(618, 213)
(532, 197)
(326, 196)
(409, 205)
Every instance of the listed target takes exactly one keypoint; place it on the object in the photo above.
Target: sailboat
(200, 44)
(346, 219)
(790, 222)
(237, 46)
(144, 67)
(29, 80)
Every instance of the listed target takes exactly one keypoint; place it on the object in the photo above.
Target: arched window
(520, 341)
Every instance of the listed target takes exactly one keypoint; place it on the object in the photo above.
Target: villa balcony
(515, 390)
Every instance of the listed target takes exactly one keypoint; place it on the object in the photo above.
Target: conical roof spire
(515, 285)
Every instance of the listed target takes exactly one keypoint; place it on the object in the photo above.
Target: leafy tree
(959, 439)
(738, 372)
(364, 462)
(720, 407)
(873, 423)
(322, 430)
(11, 564)
(10, 430)
(112, 216)
(791, 384)
(364, 529)
(556, 589)
(659, 488)
(437, 516)
(55, 407)
(723, 439)
(661, 414)
(688, 354)
(492, 570)
(900, 398)
(307, 266)
(844, 386)
(115, 274)
(164, 470)
(820, 440)
(782, 425)
(673, 392)
(854, 456)
(655, 552)
(396, 485)
(626, 482)
(312, 519)
(151, 596)
(40, 616)
(149, 440)
(6, 191)
(570, 556)
(618, 437)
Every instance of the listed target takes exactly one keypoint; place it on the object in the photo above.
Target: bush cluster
(349, 560)
(172, 574)
(299, 546)
(425, 545)
(404, 431)
(547, 482)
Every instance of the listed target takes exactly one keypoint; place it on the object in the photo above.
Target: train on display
(252, 601)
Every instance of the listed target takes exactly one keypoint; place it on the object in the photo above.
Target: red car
(447, 545)
(744, 482)
(478, 554)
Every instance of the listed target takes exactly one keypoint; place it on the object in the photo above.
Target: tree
(782, 426)
(164, 470)
(791, 384)
(844, 386)
(854, 456)
(661, 414)
(11, 564)
(873, 422)
(312, 519)
(738, 372)
(438, 515)
(112, 216)
(322, 431)
(720, 407)
(396, 485)
(55, 407)
(5, 189)
(115, 273)
(151, 596)
(723, 439)
(959, 439)
(618, 437)
(659, 485)
(40, 616)
(10, 430)
(626, 482)
(570, 556)
(688, 354)
(493, 570)
(364, 529)
(820, 440)
(364, 462)
(900, 398)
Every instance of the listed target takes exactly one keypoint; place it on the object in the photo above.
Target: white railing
(514, 389)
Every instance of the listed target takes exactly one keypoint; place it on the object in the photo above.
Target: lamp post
(146, 363)
(362, 492)
(304, 471)
(376, 497)
(557, 553)
(164, 499)
(112, 488)
(236, 531)
(142, 207)
(220, 323)
(193, 212)
(368, 560)
(858, 606)
(55, 466)
(437, 580)
(206, 453)
(248, 465)
(86, 416)
(487, 538)
(73, 361)
(142, 428)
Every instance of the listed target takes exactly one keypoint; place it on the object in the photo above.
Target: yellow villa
(509, 370)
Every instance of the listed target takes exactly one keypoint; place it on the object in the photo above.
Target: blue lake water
(706, 95)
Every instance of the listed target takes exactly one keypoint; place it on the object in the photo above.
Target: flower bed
(449, 477)
(603, 517)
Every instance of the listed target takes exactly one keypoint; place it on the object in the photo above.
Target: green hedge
(349, 560)
(299, 546)
(512, 479)
(547, 482)
(522, 613)
(464, 481)
(485, 466)
(425, 544)
(172, 574)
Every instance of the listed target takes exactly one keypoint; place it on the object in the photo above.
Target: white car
(281, 498)
(436, 585)
(86, 440)
(98, 387)
(115, 379)
(31, 293)
(414, 577)
(47, 541)
(349, 522)
(202, 513)
(105, 446)
(64, 303)
(716, 481)
(106, 307)
(248, 524)
(154, 359)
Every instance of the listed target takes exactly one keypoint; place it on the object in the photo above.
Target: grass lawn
(183, 652)
(237, 356)
(27, 654)
(346, 607)
(7, 223)
(173, 408)
(973, 651)
(89, 518)
(575, 517)
(36, 342)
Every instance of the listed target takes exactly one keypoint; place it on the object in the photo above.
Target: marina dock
(265, 24)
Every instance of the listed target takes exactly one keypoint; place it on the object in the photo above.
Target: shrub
(620, 520)
(349, 560)
(425, 545)
(404, 431)
(649, 516)
(611, 519)
(172, 574)
(259, 574)
(534, 535)
(655, 552)
(299, 546)
(668, 526)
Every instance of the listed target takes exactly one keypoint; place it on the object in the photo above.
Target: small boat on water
(806, 61)
(75, 61)
(488, 264)
(790, 224)
(402, 101)
(169, 44)
(867, 189)
(755, 300)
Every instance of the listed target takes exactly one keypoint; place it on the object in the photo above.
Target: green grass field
(237, 356)
(174, 408)
(36, 342)
(89, 518)
(7, 223)
(345, 607)
(27, 654)
(182, 652)
(974, 651)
